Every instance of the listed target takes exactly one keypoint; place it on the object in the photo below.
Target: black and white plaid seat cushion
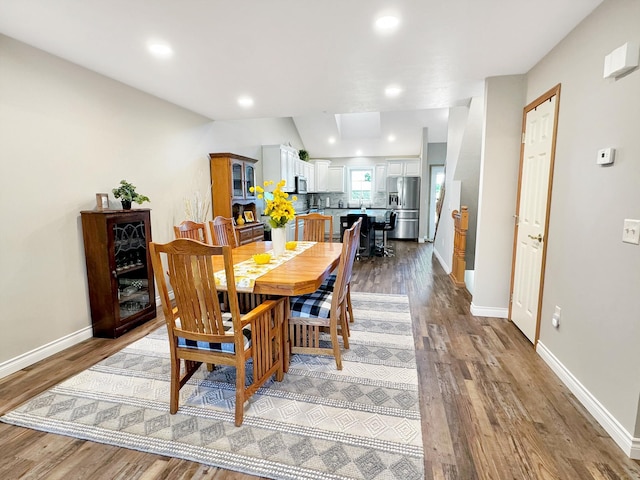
(219, 347)
(328, 283)
(316, 304)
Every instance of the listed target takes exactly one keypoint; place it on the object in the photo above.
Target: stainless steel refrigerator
(403, 195)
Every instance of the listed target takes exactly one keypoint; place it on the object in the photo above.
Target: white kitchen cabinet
(412, 168)
(336, 179)
(381, 178)
(308, 173)
(321, 175)
(403, 168)
(394, 168)
(335, 213)
(279, 162)
(290, 234)
(336, 224)
(306, 170)
(311, 182)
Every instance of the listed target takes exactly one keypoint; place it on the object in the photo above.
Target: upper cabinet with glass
(242, 179)
(249, 180)
(237, 179)
(233, 175)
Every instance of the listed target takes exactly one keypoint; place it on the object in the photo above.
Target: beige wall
(504, 101)
(443, 243)
(468, 173)
(590, 273)
(67, 133)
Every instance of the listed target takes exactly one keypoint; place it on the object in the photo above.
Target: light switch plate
(631, 231)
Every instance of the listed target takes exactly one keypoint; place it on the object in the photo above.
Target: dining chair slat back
(192, 230)
(223, 232)
(314, 226)
(199, 332)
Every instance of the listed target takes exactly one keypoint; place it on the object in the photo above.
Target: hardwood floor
(491, 408)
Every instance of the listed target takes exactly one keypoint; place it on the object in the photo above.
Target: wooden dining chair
(330, 283)
(193, 230)
(223, 232)
(202, 334)
(314, 226)
(315, 312)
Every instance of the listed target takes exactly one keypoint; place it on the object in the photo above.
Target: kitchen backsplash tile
(379, 200)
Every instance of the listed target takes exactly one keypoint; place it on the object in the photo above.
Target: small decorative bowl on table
(262, 258)
(291, 245)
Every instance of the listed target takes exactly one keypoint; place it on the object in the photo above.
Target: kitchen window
(360, 184)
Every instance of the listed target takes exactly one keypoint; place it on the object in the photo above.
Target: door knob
(539, 237)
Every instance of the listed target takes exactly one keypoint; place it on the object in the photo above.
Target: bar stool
(364, 243)
(388, 225)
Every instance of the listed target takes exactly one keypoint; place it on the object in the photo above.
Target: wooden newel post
(461, 223)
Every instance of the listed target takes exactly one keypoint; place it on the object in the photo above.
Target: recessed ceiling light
(387, 23)
(332, 140)
(391, 138)
(358, 153)
(245, 102)
(392, 91)
(160, 50)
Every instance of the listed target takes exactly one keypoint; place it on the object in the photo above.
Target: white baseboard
(29, 358)
(497, 312)
(444, 264)
(470, 280)
(625, 440)
(635, 449)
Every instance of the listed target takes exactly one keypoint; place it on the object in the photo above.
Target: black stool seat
(388, 225)
(366, 246)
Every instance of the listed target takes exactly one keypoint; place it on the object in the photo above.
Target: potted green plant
(304, 155)
(126, 192)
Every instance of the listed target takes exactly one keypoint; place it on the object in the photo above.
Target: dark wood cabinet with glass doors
(119, 272)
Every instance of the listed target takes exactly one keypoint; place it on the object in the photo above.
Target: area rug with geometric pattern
(362, 422)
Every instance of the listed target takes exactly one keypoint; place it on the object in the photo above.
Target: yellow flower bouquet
(278, 206)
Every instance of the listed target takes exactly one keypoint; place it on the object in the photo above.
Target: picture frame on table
(248, 216)
(102, 201)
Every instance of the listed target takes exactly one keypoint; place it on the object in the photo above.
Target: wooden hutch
(231, 178)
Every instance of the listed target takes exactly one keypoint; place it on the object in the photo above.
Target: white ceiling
(305, 59)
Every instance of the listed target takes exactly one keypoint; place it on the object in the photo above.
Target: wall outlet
(631, 231)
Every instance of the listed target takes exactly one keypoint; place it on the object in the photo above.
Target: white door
(533, 200)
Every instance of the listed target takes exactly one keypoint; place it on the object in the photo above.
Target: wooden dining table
(302, 274)
(299, 275)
